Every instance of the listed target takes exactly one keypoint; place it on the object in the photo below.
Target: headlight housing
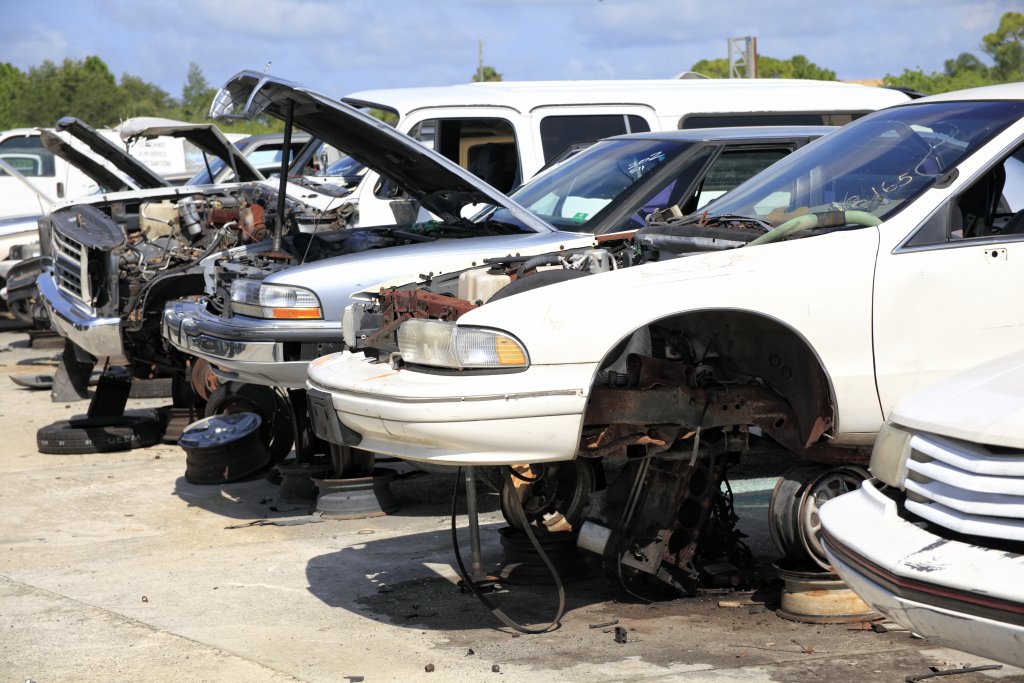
(447, 345)
(282, 302)
(890, 454)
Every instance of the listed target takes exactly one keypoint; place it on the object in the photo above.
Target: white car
(885, 260)
(936, 540)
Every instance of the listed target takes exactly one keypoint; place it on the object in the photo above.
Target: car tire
(215, 461)
(151, 388)
(276, 432)
(99, 435)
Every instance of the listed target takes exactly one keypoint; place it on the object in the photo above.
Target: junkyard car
(609, 188)
(106, 256)
(936, 540)
(875, 261)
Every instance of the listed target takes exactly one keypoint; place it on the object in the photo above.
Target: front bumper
(80, 323)
(245, 349)
(963, 595)
(456, 419)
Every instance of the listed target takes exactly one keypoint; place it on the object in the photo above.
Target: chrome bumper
(242, 349)
(79, 322)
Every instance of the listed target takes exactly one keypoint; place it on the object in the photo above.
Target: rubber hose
(814, 220)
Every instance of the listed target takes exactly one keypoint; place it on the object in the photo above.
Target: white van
(506, 131)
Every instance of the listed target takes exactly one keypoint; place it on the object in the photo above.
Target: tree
(796, 66)
(12, 83)
(85, 89)
(486, 73)
(1005, 47)
(196, 95)
(139, 98)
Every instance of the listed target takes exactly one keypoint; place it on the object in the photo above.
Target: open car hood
(143, 176)
(95, 171)
(205, 136)
(442, 186)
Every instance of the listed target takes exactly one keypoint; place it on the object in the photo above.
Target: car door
(709, 172)
(952, 295)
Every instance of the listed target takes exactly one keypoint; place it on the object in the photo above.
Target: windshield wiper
(703, 219)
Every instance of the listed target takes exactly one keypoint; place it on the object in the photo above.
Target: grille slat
(71, 266)
(966, 487)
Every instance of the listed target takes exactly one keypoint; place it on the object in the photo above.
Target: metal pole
(283, 185)
(480, 60)
(476, 571)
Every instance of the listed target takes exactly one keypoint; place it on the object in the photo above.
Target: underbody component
(667, 517)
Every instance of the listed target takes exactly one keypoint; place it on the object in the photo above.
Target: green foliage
(196, 95)
(486, 73)
(1004, 46)
(796, 66)
(139, 98)
(12, 83)
(83, 88)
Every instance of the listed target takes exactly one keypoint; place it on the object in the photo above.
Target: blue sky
(341, 46)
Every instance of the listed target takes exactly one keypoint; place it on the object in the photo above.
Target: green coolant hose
(826, 219)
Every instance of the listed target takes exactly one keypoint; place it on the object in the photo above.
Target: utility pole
(480, 60)
(743, 57)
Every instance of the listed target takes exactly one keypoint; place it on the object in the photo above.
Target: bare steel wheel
(828, 485)
(553, 495)
(793, 511)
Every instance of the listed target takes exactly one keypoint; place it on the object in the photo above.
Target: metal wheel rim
(828, 485)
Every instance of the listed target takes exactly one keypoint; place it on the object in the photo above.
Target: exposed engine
(128, 258)
(372, 326)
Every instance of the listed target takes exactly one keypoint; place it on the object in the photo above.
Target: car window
(486, 147)
(990, 207)
(874, 165)
(731, 168)
(28, 156)
(733, 120)
(579, 192)
(559, 131)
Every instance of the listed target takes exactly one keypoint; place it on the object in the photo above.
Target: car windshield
(876, 164)
(345, 167)
(576, 193)
(204, 176)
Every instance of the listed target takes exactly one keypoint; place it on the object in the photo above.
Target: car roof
(705, 94)
(298, 136)
(731, 133)
(1004, 91)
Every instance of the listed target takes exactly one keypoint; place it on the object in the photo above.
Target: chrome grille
(967, 487)
(71, 266)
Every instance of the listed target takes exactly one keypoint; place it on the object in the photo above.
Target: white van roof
(668, 96)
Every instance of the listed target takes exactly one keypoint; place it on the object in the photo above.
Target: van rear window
(733, 120)
(558, 132)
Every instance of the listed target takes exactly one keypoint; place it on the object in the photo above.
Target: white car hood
(984, 405)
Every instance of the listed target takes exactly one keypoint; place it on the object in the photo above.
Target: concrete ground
(113, 567)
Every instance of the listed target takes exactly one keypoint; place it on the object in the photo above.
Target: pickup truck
(875, 261)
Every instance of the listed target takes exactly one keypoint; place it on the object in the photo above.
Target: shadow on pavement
(400, 581)
(419, 494)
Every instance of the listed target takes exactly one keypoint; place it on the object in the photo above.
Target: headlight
(890, 454)
(447, 345)
(251, 297)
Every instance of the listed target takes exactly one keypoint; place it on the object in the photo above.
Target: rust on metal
(665, 393)
(399, 305)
